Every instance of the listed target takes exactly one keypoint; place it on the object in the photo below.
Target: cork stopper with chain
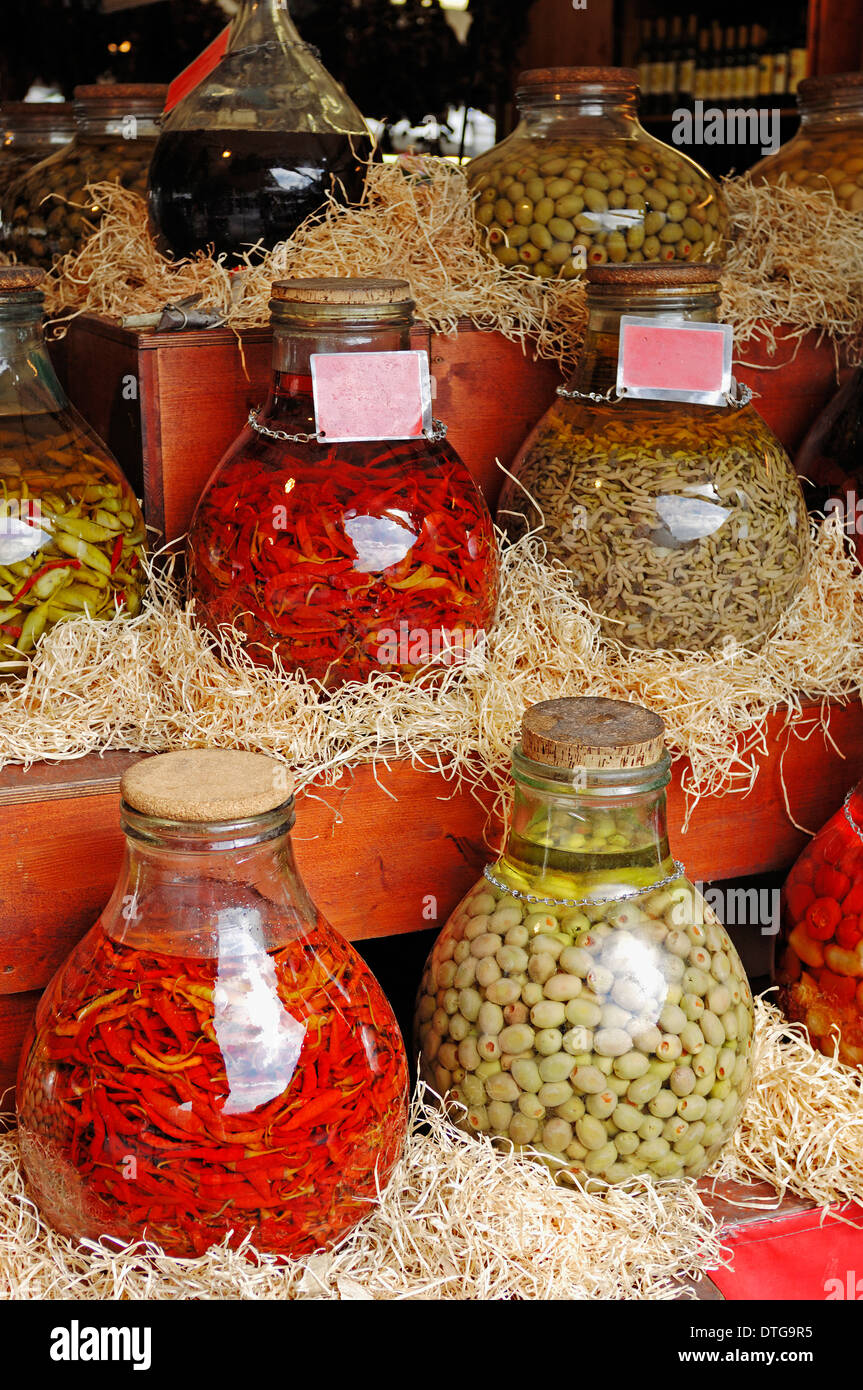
(207, 785)
(592, 732)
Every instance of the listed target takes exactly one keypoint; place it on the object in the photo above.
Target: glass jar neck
(574, 831)
(28, 382)
(37, 126)
(116, 120)
(836, 108)
(262, 21)
(601, 113)
(295, 342)
(597, 366)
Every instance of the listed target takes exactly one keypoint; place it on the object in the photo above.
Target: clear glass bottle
(826, 153)
(258, 145)
(341, 559)
(684, 524)
(213, 1060)
(580, 182)
(71, 531)
(819, 954)
(46, 212)
(583, 999)
(31, 130)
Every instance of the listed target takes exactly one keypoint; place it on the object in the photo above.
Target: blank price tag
(371, 395)
(667, 361)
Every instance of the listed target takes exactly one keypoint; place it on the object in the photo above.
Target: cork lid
(152, 92)
(591, 732)
(814, 88)
(535, 81)
(360, 290)
(206, 784)
(665, 276)
(15, 278)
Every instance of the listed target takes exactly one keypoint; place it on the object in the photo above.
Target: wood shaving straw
(154, 683)
(778, 270)
(415, 222)
(460, 1219)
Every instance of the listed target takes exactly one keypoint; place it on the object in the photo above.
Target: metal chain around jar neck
(846, 804)
(679, 871)
(434, 435)
(739, 395)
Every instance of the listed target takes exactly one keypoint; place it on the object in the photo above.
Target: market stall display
(73, 535)
(48, 212)
(213, 1060)
(259, 144)
(341, 559)
(826, 153)
(31, 130)
(819, 958)
(684, 524)
(582, 998)
(580, 182)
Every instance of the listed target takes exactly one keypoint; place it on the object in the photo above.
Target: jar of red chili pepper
(213, 1061)
(341, 559)
(819, 956)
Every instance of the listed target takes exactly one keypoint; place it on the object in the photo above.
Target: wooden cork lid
(15, 278)
(537, 80)
(206, 784)
(591, 732)
(154, 93)
(666, 276)
(357, 290)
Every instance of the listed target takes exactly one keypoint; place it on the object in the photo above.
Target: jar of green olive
(826, 154)
(683, 524)
(580, 182)
(46, 212)
(583, 1001)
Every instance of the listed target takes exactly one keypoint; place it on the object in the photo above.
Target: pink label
(665, 357)
(371, 395)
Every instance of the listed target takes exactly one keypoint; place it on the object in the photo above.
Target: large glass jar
(71, 531)
(31, 130)
(826, 153)
(258, 145)
(819, 955)
(341, 559)
(46, 212)
(213, 1060)
(684, 524)
(580, 182)
(583, 999)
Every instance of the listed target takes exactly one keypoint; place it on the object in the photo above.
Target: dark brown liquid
(235, 188)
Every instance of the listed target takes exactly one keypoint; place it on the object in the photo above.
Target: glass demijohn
(341, 559)
(213, 1061)
(583, 1000)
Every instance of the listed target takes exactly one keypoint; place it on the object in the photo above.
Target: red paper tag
(664, 361)
(808, 1255)
(195, 73)
(371, 395)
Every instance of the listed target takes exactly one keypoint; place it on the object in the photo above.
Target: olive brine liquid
(233, 188)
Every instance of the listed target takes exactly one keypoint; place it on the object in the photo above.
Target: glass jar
(827, 151)
(31, 130)
(71, 531)
(580, 182)
(46, 212)
(583, 999)
(684, 524)
(819, 954)
(258, 145)
(213, 1060)
(341, 559)
(829, 462)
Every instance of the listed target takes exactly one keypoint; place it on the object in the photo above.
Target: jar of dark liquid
(258, 145)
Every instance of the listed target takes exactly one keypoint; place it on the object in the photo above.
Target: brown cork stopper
(153, 92)
(591, 732)
(815, 88)
(14, 278)
(353, 291)
(575, 79)
(206, 784)
(655, 276)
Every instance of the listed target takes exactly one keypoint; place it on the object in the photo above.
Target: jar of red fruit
(213, 1061)
(345, 558)
(819, 959)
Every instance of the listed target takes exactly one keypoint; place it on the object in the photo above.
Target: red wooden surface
(792, 386)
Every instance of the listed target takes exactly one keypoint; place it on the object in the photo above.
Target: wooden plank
(16, 1011)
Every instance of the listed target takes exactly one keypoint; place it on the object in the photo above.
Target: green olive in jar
(826, 154)
(593, 179)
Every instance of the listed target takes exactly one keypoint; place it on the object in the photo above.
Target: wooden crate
(169, 404)
(61, 846)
